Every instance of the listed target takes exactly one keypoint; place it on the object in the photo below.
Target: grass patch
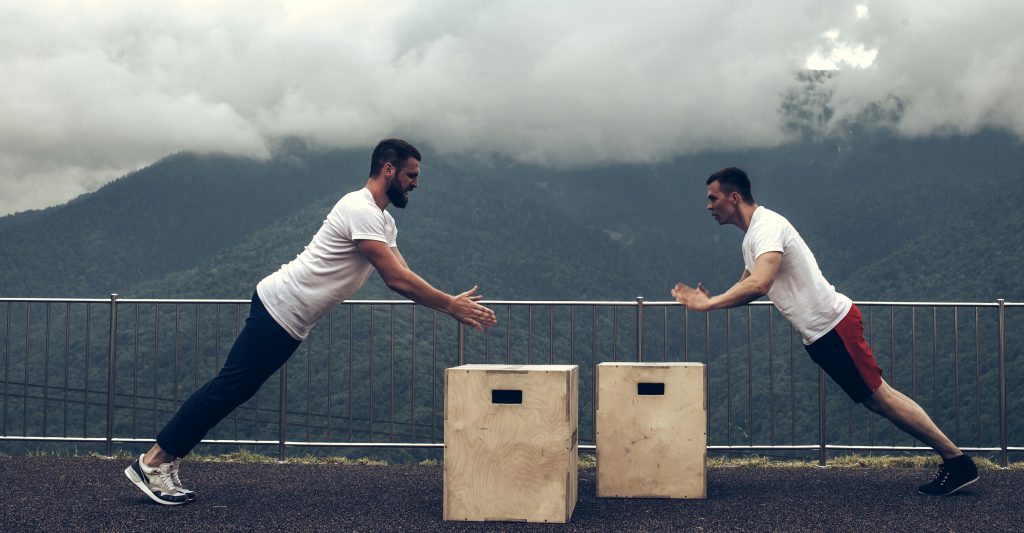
(586, 460)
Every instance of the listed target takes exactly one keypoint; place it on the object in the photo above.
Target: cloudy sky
(92, 89)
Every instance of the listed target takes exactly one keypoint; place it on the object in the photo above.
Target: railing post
(111, 372)
(462, 343)
(822, 451)
(1002, 382)
(282, 455)
(639, 328)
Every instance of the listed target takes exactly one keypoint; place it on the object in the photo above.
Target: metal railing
(355, 384)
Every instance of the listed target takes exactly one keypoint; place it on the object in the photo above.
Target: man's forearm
(415, 288)
(741, 293)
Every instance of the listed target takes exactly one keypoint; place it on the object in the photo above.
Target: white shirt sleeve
(769, 237)
(367, 223)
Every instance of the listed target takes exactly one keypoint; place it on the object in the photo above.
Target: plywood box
(510, 442)
(651, 430)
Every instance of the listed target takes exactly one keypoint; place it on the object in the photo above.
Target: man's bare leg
(907, 415)
(156, 456)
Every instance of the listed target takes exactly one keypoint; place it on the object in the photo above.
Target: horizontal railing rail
(113, 370)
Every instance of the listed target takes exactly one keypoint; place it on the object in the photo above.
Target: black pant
(261, 348)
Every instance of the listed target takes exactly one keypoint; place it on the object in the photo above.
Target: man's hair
(731, 180)
(394, 151)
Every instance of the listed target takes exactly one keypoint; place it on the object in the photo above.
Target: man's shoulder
(358, 201)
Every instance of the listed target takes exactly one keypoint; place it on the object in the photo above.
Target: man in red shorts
(778, 263)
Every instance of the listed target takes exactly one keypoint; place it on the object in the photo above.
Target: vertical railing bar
(433, 378)
(195, 371)
(871, 340)
(24, 383)
(373, 338)
(792, 389)
(156, 358)
(664, 333)
(686, 334)
(7, 365)
(572, 334)
(771, 378)
(822, 457)
(412, 373)
(350, 380)
(593, 374)
(551, 334)
(1002, 382)
(529, 335)
(707, 369)
(330, 368)
(935, 356)
(216, 354)
(956, 371)
(135, 377)
(913, 352)
(177, 351)
(88, 356)
(892, 362)
(977, 370)
(309, 383)
(282, 412)
(615, 333)
(67, 355)
(391, 397)
(728, 377)
(256, 416)
(508, 335)
(639, 329)
(487, 346)
(462, 344)
(111, 374)
(750, 387)
(46, 371)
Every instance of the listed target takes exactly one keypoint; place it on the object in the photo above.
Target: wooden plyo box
(510, 442)
(651, 430)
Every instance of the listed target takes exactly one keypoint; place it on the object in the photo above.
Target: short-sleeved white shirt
(800, 292)
(331, 268)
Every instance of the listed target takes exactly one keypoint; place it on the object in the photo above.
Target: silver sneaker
(175, 467)
(157, 483)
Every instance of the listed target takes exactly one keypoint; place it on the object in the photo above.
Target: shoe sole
(952, 491)
(134, 478)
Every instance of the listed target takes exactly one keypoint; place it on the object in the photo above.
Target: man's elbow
(761, 287)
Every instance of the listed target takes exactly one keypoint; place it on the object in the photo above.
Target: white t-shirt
(330, 268)
(800, 291)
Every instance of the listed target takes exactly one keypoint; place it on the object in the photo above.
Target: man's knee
(880, 400)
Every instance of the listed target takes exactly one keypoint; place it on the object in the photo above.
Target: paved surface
(91, 494)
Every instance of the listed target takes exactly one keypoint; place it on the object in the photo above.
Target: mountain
(877, 210)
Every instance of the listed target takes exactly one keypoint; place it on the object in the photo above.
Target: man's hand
(697, 299)
(465, 309)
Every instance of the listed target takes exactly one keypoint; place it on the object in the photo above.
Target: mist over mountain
(887, 217)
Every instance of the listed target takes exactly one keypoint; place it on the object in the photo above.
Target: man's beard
(398, 197)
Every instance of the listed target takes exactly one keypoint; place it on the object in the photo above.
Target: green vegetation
(889, 219)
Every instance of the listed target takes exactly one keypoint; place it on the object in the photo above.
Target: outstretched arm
(752, 285)
(393, 270)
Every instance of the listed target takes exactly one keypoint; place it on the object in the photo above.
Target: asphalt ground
(93, 494)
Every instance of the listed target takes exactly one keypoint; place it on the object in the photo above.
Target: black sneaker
(954, 474)
(155, 482)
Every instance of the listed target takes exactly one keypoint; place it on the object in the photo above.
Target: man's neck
(746, 214)
(378, 187)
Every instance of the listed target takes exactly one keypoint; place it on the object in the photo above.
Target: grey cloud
(93, 90)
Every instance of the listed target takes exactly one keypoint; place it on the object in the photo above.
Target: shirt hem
(273, 314)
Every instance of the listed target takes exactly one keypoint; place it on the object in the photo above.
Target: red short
(845, 356)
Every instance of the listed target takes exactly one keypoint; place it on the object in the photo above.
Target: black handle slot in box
(650, 389)
(506, 396)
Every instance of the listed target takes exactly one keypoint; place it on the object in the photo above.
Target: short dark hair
(394, 151)
(733, 179)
